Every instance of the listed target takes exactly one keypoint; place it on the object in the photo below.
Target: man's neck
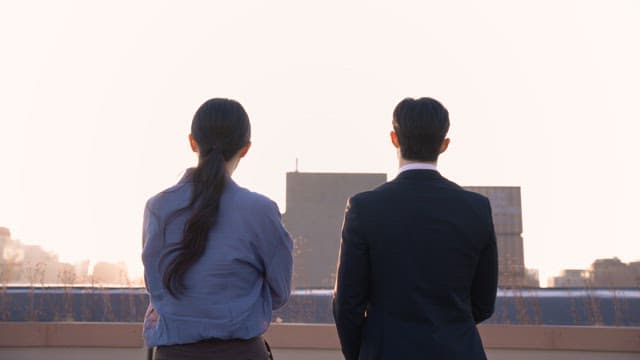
(403, 162)
(417, 165)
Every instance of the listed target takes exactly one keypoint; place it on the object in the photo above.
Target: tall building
(5, 237)
(315, 210)
(4, 233)
(506, 206)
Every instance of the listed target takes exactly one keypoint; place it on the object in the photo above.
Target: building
(635, 267)
(570, 278)
(506, 206)
(604, 273)
(27, 264)
(110, 273)
(4, 235)
(314, 215)
(5, 243)
(614, 273)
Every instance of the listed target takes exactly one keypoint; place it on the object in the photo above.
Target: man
(418, 261)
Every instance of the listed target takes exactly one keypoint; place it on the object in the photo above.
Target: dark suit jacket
(417, 271)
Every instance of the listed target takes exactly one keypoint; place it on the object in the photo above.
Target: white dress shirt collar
(418, 166)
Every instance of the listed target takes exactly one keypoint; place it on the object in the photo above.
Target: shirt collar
(418, 166)
(188, 175)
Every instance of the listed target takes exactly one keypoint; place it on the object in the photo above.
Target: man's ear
(245, 150)
(193, 143)
(394, 139)
(445, 145)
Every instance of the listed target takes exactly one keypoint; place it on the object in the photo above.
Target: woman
(217, 259)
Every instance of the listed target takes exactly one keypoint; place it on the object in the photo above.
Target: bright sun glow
(97, 100)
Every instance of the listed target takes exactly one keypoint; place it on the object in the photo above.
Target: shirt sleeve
(150, 231)
(146, 224)
(279, 264)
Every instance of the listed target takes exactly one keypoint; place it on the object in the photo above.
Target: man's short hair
(421, 125)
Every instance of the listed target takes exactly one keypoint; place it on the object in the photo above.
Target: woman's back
(242, 275)
(217, 258)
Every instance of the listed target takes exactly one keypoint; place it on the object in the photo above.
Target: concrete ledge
(303, 336)
(322, 336)
(596, 338)
(70, 334)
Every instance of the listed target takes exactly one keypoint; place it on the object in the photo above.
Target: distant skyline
(97, 100)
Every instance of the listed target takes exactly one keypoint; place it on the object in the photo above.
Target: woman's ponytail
(220, 128)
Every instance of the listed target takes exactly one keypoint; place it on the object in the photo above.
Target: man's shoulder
(442, 186)
(376, 198)
(372, 194)
(473, 196)
(468, 194)
(477, 200)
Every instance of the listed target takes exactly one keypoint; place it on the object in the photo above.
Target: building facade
(315, 210)
(613, 273)
(314, 215)
(604, 273)
(570, 278)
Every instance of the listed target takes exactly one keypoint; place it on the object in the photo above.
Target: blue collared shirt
(244, 273)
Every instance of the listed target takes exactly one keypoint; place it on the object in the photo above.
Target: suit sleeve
(352, 284)
(485, 281)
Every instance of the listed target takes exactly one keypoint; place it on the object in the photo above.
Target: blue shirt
(244, 273)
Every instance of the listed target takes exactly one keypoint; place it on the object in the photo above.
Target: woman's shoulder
(173, 195)
(253, 200)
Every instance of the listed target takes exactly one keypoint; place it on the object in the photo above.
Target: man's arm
(352, 284)
(485, 281)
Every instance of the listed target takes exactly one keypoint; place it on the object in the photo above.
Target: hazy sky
(96, 99)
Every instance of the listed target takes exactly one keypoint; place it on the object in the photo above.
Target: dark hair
(221, 128)
(421, 125)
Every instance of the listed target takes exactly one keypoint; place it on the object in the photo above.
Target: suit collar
(419, 174)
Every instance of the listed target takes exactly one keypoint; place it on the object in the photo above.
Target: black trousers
(216, 349)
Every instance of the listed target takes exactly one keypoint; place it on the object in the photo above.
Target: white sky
(96, 99)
